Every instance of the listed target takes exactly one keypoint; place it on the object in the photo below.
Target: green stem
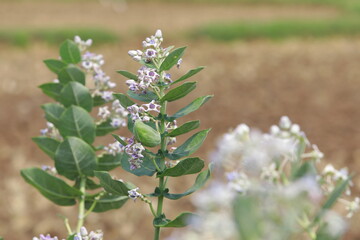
(162, 184)
(81, 215)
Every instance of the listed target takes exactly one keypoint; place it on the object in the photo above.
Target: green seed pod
(146, 134)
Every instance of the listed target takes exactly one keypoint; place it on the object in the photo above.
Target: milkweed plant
(265, 186)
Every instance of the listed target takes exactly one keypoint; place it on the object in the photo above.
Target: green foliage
(184, 167)
(147, 168)
(127, 74)
(179, 92)
(48, 145)
(106, 203)
(71, 73)
(180, 221)
(144, 97)
(52, 90)
(75, 158)
(107, 162)
(77, 122)
(69, 52)
(185, 128)
(190, 146)
(53, 111)
(195, 105)
(76, 94)
(104, 128)
(189, 74)
(51, 187)
(124, 100)
(24, 37)
(172, 59)
(200, 181)
(55, 65)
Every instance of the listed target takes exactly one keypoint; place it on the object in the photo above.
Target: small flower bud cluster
(114, 148)
(171, 126)
(43, 237)
(50, 169)
(92, 64)
(142, 112)
(117, 114)
(84, 235)
(146, 78)
(51, 131)
(151, 49)
(134, 151)
(134, 194)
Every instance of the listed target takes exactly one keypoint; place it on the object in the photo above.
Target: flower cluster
(133, 149)
(92, 63)
(117, 114)
(142, 112)
(263, 186)
(84, 235)
(43, 237)
(134, 194)
(153, 53)
(51, 131)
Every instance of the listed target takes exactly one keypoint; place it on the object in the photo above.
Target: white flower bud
(83, 231)
(295, 129)
(137, 58)
(77, 39)
(285, 122)
(274, 130)
(158, 33)
(133, 53)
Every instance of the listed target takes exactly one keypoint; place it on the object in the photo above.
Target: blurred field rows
(314, 82)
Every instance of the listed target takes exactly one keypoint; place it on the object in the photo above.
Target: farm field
(315, 82)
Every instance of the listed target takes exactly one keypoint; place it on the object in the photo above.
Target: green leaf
(48, 145)
(106, 203)
(112, 186)
(107, 162)
(75, 121)
(53, 188)
(189, 74)
(172, 59)
(128, 74)
(118, 138)
(185, 128)
(144, 97)
(98, 101)
(180, 221)
(90, 184)
(324, 233)
(307, 168)
(200, 181)
(71, 74)
(184, 167)
(77, 94)
(247, 217)
(189, 146)
(123, 99)
(52, 90)
(147, 167)
(69, 52)
(75, 158)
(179, 92)
(335, 194)
(55, 65)
(104, 128)
(53, 111)
(196, 104)
(71, 237)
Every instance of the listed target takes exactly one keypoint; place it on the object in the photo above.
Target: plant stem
(81, 215)
(162, 184)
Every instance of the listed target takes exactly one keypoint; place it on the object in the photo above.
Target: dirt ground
(315, 82)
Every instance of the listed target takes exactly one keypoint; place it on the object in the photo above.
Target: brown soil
(315, 83)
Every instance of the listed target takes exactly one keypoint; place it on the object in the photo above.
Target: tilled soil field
(315, 82)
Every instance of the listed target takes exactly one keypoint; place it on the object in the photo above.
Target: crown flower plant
(149, 151)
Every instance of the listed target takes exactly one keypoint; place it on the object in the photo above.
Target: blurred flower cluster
(92, 63)
(271, 186)
(82, 235)
(151, 56)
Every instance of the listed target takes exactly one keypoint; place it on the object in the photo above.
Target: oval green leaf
(70, 52)
(185, 128)
(48, 145)
(180, 221)
(75, 158)
(71, 73)
(52, 90)
(107, 162)
(196, 104)
(189, 74)
(51, 187)
(106, 203)
(77, 94)
(179, 92)
(55, 65)
(75, 121)
(172, 59)
(184, 167)
(53, 112)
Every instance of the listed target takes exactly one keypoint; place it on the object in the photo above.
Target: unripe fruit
(146, 135)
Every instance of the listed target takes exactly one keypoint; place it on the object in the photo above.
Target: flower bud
(158, 33)
(132, 53)
(146, 135)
